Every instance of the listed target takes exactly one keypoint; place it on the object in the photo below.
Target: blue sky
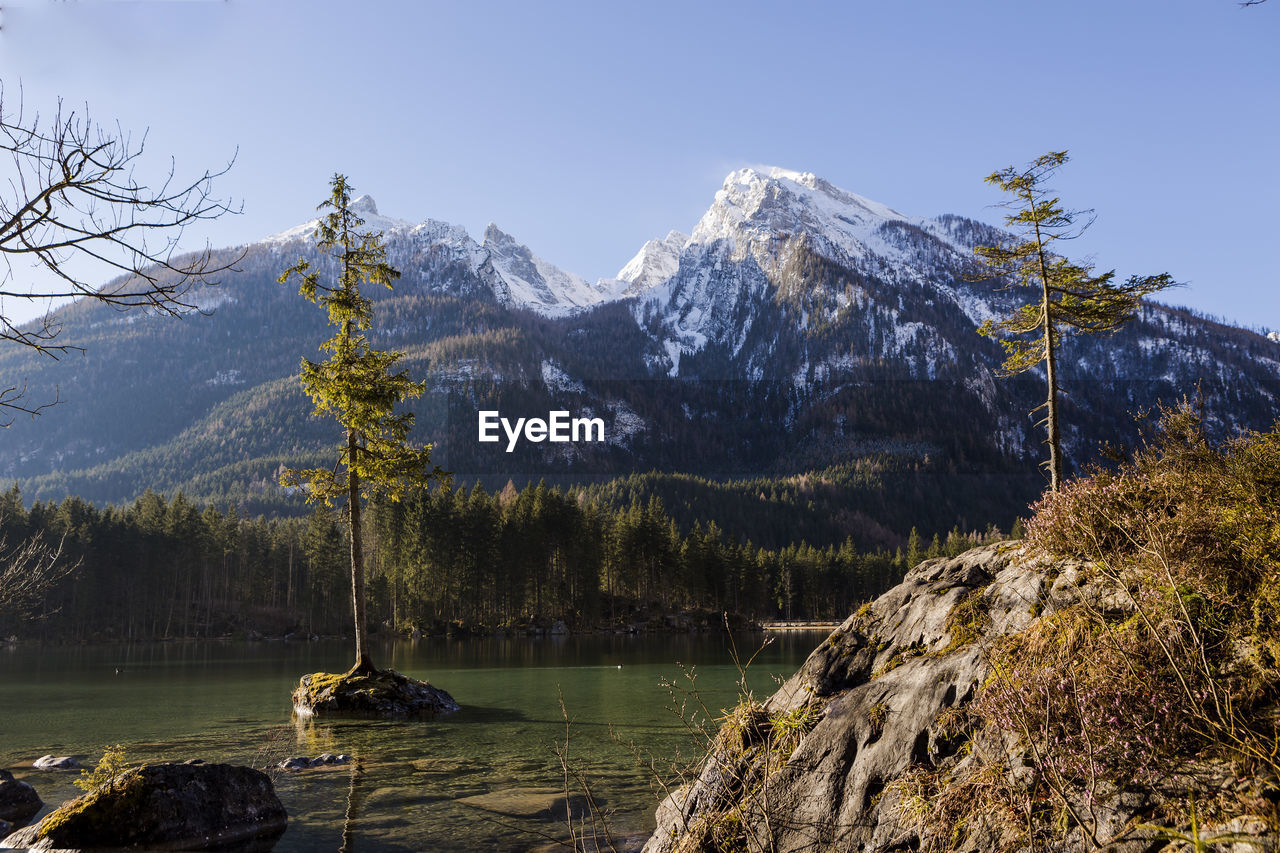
(585, 129)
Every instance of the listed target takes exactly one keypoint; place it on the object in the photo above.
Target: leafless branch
(71, 192)
(27, 571)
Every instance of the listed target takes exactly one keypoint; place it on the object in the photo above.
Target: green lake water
(229, 702)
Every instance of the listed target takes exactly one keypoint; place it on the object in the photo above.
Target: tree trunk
(1050, 370)
(363, 663)
(1051, 415)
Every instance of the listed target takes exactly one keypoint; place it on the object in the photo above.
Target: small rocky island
(366, 691)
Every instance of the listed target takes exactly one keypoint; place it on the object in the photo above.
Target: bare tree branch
(27, 571)
(70, 191)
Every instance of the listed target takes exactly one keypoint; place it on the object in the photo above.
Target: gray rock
(174, 806)
(878, 694)
(19, 802)
(50, 762)
(296, 763)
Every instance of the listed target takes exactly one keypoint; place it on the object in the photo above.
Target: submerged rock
(18, 800)
(369, 692)
(171, 806)
(51, 762)
(301, 762)
(530, 803)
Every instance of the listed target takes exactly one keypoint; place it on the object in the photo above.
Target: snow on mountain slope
(746, 284)
(752, 214)
(534, 283)
(655, 263)
(364, 207)
(754, 207)
(516, 276)
(749, 248)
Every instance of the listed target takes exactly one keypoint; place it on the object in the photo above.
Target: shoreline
(762, 627)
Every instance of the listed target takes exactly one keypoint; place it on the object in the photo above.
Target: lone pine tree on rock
(356, 385)
(1069, 298)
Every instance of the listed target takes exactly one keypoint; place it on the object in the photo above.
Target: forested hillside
(451, 560)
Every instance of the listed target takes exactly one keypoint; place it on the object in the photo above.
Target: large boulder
(821, 765)
(18, 801)
(369, 692)
(55, 762)
(170, 806)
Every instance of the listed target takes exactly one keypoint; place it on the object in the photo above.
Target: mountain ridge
(797, 328)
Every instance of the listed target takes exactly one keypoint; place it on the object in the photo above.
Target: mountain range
(799, 334)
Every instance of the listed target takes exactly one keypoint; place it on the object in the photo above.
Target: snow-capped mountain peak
(655, 263)
(757, 205)
(762, 214)
(744, 266)
(364, 207)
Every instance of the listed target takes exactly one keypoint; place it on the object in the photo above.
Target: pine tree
(914, 552)
(356, 385)
(1070, 298)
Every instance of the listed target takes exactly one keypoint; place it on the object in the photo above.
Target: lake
(229, 702)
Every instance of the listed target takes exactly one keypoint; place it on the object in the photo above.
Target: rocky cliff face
(870, 744)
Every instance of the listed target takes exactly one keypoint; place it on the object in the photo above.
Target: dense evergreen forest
(448, 560)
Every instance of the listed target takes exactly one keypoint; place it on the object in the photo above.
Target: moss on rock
(369, 692)
(163, 806)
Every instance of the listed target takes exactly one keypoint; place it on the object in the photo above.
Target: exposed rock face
(170, 806)
(18, 801)
(879, 697)
(379, 693)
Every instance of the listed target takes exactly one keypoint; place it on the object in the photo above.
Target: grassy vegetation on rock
(369, 692)
(1153, 675)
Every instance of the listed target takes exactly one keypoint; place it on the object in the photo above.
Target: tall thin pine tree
(356, 385)
(1069, 299)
